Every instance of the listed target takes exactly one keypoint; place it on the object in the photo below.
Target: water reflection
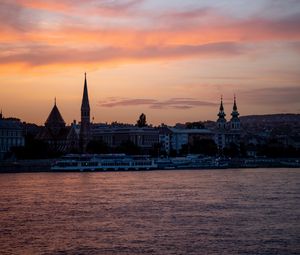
(159, 212)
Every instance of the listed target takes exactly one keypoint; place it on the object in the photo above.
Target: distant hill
(271, 118)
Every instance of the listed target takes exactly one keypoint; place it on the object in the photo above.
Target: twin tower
(234, 124)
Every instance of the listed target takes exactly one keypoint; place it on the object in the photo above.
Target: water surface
(253, 211)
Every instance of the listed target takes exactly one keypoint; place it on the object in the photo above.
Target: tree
(97, 146)
(192, 125)
(184, 149)
(173, 153)
(156, 150)
(232, 151)
(204, 146)
(34, 149)
(128, 147)
(276, 149)
(141, 122)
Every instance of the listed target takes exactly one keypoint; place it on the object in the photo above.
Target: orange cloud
(169, 35)
(87, 7)
(195, 26)
(250, 30)
(34, 55)
(177, 103)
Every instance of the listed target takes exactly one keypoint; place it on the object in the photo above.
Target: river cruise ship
(103, 162)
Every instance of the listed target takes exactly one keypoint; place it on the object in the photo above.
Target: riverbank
(20, 166)
(44, 165)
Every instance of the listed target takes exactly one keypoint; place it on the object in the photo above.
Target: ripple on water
(159, 212)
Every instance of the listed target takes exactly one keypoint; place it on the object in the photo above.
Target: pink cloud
(88, 7)
(284, 95)
(46, 55)
(171, 35)
(176, 103)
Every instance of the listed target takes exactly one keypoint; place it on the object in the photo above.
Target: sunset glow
(169, 59)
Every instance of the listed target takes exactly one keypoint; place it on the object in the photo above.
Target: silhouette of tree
(232, 151)
(204, 146)
(173, 153)
(276, 149)
(34, 149)
(128, 147)
(156, 150)
(192, 125)
(141, 122)
(243, 150)
(97, 146)
(184, 149)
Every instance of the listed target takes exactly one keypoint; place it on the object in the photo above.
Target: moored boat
(103, 162)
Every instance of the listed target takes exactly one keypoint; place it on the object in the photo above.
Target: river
(239, 211)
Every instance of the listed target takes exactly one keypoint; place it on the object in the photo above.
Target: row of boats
(123, 162)
(118, 162)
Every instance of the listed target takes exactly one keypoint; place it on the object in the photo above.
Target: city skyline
(170, 60)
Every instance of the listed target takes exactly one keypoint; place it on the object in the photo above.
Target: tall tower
(221, 122)
(235, 121)
(85, 129)
(220, 135)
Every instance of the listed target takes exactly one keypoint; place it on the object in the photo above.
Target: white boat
(188, 162)
(103, 162)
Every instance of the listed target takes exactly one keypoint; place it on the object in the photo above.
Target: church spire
(235, 121)
(221, 113)
(221, 122)
(234, 104)
(85, 118)
(85, 98)
(235, 112)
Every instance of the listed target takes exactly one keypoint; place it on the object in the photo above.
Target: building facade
(165, 135)
(11, 135)
(173, 139)
(145, 137)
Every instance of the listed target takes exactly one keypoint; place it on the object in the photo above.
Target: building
(64, 138)
(227, 133)
(173, 139)
(181, 137)
(145, 137)
(61, 138)
(165, 135)
(11, 134)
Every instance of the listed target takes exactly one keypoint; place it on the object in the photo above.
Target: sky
(171, 59)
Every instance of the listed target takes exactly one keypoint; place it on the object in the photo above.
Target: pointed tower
(221, 122)
(235, 121)
(221, 128)
(85, 131)
(55, 121)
